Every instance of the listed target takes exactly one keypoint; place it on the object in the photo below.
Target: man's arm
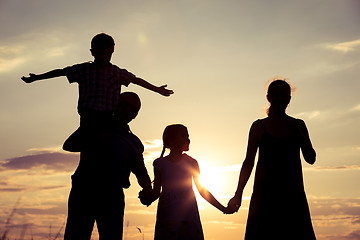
(51, 74)
(161, 90)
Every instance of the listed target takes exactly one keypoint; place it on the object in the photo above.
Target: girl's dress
(177, 214)
(278, 206)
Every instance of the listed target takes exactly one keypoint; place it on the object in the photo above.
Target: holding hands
(146, 197)
(234, 204)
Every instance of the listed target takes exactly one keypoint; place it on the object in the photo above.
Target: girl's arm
(161, 90)
(204, 192)
(148, 197)
(157, 184)
(256, 132)
(51, 74)
(306, 146)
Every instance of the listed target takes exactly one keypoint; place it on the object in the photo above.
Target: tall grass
(4, 233)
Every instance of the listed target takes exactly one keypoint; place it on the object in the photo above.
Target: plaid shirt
(99, 87)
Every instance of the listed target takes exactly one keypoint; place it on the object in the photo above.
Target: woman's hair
(102, 40)
(168, 136)
(278, 83)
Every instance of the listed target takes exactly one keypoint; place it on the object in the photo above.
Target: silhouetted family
(109, 152)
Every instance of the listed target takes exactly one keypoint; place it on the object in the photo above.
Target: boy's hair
(102, 40)
(134, 97)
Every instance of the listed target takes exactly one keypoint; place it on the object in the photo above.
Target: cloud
(7, 65)
(309, 115)
(344, 46)
(335, 208)
(354, 235)
(56, 51)
(140, 212)
(333, 168)
(12, 187)
(9, 57)
(152, 144)
(356, 108)
(60, 209)
(44, 150)
(56, 161)
(152, 149)
(335, 213)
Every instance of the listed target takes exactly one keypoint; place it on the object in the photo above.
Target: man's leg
(80, 221)
(110, 215)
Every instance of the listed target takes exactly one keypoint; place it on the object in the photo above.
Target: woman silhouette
(278, 206)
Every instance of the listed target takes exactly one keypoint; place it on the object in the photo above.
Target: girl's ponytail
(163, 151)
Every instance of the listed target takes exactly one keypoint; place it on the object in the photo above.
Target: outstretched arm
(161, 90)
(51, 74)
(306, 146)
(255, 134)
(205, 193)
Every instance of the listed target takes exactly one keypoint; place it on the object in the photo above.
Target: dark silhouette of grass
(8, 226)
(8, 221)
(142, 234)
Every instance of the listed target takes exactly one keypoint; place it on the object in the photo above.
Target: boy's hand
(32, 77)
(165, 92)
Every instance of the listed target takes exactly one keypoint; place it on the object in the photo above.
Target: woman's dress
(177, 214)
(278, 207)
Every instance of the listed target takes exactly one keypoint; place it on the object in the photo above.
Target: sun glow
(212, 179)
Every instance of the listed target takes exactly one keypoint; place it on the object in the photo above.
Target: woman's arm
(255, 134)
(306, 146)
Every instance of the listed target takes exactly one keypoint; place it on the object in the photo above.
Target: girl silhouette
(177, 213)
(278, 206)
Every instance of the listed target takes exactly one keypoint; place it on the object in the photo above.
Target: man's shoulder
(135, 142)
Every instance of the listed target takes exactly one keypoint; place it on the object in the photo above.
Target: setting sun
(212, 179)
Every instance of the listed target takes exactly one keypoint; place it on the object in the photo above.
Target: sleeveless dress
(177, 213)
(278, 206)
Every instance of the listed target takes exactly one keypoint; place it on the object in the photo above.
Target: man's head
(128, 107)
(102, 47)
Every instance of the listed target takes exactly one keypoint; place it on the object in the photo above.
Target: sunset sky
(217, 56)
